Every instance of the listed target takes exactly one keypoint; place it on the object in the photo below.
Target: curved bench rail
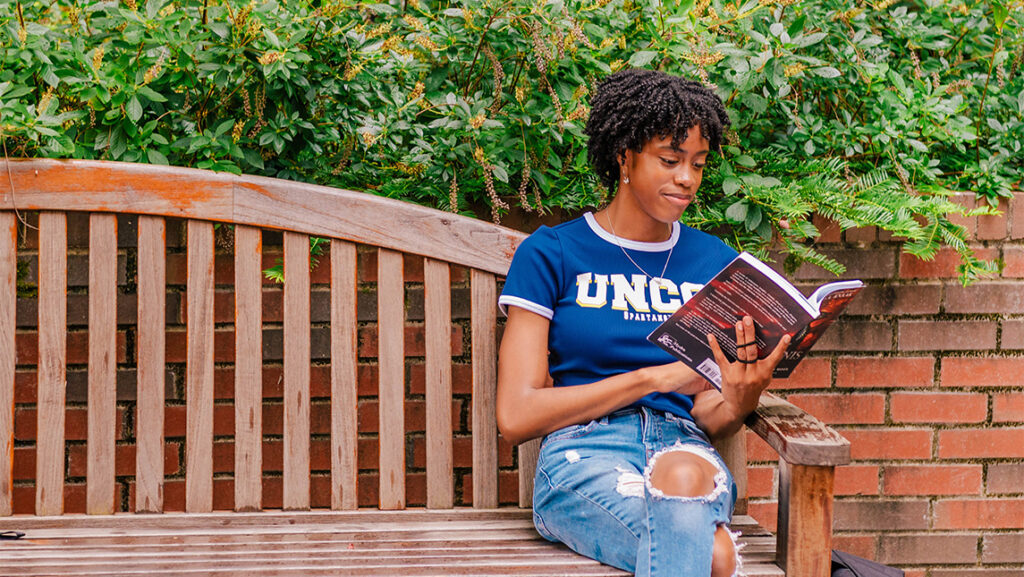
(101, 186)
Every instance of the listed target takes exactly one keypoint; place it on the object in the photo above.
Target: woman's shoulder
(556, 234)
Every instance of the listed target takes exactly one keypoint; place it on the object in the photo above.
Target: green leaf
(827, 72)
(994, 124)
(737, 212)
(223, 127)
(753, 218)
(642, 58)
(271, 38)
(810, 39)
(809, 147)
(382, 8)
(731, 185)
(797, 26)
(151, 95)
(17, 92)
(500, 174)
(746, 160)
(253, 158)
(221, 29)
(134, 109)
(1000, 10)
(156, 157)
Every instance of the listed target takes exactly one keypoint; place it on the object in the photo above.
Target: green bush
(867, 114)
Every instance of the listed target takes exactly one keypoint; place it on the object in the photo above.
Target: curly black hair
(633, 106)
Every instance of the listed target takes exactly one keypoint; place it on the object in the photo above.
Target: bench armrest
(798, 437)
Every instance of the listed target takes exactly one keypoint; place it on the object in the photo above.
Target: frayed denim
(593, 493)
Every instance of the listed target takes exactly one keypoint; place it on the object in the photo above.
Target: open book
(747, 286)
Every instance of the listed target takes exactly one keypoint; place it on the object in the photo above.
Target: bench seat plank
(368, 542)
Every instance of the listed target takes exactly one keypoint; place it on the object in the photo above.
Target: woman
(626, 473)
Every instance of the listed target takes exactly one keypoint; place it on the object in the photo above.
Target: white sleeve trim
(505, 300)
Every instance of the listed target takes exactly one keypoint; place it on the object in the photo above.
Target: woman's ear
(624, 162)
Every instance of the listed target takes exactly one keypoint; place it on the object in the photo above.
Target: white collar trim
(632, 244)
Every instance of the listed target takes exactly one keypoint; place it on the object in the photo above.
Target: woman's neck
(635, 225)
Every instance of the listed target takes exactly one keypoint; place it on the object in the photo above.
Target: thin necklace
(623, 249)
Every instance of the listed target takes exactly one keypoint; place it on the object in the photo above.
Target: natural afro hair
(634, 106)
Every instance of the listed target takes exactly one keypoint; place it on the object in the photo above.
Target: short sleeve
(535, 275)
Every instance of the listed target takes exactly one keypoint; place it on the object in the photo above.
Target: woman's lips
(679, 198)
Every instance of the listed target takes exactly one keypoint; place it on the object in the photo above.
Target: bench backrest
(359, 228)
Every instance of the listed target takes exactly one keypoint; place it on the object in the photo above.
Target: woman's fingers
(716, 350)
(741, 355)
(780, 349)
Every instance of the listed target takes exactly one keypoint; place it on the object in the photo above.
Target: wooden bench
(296, 538)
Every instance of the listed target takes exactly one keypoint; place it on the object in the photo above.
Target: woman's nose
(684, 177)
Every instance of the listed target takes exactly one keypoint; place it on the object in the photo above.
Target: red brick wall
(926, 379)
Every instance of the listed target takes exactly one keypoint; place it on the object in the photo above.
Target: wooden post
(734, 452)
(8, 306)
(805, 520)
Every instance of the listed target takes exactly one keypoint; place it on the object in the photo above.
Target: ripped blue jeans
(592, 492)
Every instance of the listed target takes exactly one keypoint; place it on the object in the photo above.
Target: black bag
(847, 565)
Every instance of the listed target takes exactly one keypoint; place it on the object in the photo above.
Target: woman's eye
(670, 161)
(699, 166)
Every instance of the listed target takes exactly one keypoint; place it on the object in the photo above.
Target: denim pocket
(687, 427)
(575, 431)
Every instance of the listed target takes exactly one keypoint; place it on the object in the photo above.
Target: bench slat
(528, 453)
(296, 371)
(8, 306)
(484, 321)
(438, 320)
(102, 363)
(391, 394)
(149, 436)
(411, 542)
(53, 271)
(344, 376)
(248, 369)
(199, 369)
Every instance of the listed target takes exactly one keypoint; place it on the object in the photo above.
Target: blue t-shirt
(601, 306)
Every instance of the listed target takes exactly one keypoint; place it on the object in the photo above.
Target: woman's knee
(723, 557)
(683, 474)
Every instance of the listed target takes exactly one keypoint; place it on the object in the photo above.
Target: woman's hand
(744, 380)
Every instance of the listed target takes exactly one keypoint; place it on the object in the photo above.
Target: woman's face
(664, 179)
